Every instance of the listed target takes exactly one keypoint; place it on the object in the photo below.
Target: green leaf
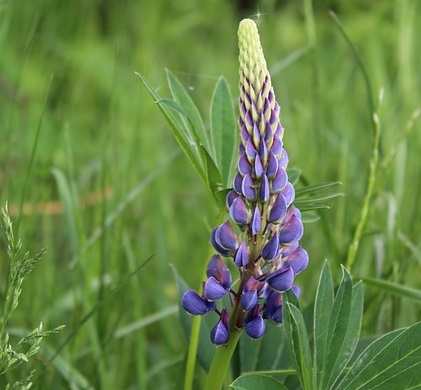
(224, 134)
(294, 175)
(352, 335)
(68, 200)
(300, 344)
(314, 197)
(193, 119)
(273, 349)
(391, 362)
(267, 353)
(254, 380)
(310, 216)
(394, 288)
(322, 313)
(213, 178)
(337, 327)
(187, 145)
(326, 189)
(206, 349)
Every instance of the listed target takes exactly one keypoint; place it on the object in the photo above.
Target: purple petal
(268, 134)
(213, 290)
(281, 280)
(298, 260)
(272, 166)
(264, 189)
(220, 332)
(243, 165)
(256, 327)
(276, 315)
(226, 237)
(217, 246)
(256, 135)
(248, 299)
(296, 290)
(280, 181)
(239, 212)
(238, 180)
(231, 196)
(218, 269)
(194, 304)
(288, 193)
(283, 159)
(258, 167)
(277, 146)
(241, 258)
(292, 227)
(247, 188)
(278, 210)
(249, 118)
(270, 250)
(245, 136)
(275, 114)
(250, 150)
(256, 223)
(279, 132)
(263, 152)
(253, 284)
(287, 249)
(273, 306)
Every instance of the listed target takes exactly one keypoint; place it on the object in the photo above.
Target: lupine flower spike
(263, 233)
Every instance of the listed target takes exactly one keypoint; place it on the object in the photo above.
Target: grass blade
(394, 288)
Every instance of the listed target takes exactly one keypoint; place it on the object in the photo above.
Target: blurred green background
(108, 189)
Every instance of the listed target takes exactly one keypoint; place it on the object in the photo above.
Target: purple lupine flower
(219, 279)
(250, 292)
(194, 304)
(220, 332)
(254, 323)
(263, 236)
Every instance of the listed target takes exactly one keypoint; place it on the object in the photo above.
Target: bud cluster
(263, 233)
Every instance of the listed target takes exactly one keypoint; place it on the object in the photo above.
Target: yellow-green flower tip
(253, 69)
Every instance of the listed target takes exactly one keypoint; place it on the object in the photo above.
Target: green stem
(353, 248)
(221, 362)
(192, 353)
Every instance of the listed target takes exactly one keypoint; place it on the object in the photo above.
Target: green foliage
(20, 263)
(257, 381)
(224, 132)
(391, 360)
(99, 122)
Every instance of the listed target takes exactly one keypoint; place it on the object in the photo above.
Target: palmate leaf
(391, 362)
(315, 197)
(211, 154)
(336, 328)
